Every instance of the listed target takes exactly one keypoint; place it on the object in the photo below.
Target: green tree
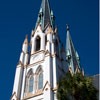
(76, 87)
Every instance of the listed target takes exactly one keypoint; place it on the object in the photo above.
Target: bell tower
(39, 70)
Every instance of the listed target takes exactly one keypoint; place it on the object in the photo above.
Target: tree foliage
(76, 87)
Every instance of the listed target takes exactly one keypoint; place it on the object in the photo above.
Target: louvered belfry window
(38, 42)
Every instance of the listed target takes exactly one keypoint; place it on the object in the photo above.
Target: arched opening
(31, 81)
(40, 82)
(38, 43)
(39, 77)
(45, 39)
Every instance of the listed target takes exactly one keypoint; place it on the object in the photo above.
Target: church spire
(45, 15)
(71, 54)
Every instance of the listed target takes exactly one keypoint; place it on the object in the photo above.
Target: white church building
(41, 66)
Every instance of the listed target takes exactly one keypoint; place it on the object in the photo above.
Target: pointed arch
(38, 43)
(39, 77)
(38, 69)
(40, 82)
(30, 72)
(29, 81)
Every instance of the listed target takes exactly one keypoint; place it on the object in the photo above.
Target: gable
(14, 97)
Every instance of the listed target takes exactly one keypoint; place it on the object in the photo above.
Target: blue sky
(17, 18)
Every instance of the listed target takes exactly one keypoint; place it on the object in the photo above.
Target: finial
(51, 13)
(26, 40)
(32, 33)
(67, 26)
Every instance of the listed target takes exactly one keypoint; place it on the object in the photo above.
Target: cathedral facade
(41, 66)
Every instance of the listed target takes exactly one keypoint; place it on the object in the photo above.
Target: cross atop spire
(45, 15)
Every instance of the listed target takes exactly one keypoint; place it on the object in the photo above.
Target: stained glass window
(31, 81)
(40, 81)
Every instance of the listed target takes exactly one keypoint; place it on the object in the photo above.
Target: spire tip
(26, 39)
(67, 25)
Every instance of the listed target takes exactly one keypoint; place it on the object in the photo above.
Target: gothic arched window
(38, 43)
(40, 84)
(31, 83)
(39, 78)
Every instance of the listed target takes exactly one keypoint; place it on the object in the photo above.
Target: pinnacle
(26, 40)
(67, 26)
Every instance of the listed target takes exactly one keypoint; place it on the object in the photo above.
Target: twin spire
(71, 54)
(45, 15)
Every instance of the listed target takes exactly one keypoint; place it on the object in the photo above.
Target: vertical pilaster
(23, 83)
(43, 42)
(54, 67)
(18, 81)
(48, 95)
(22, 57)
(26, 59)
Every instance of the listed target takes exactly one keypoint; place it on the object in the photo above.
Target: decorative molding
(35, 63)
(24, 52)
(37, 52)
(47, 83)
(30, 95)
(14, 94)
(50, 41)
(20, 63)
(54, 89)
(46, 26)
(46, 52)
(37, 27)
(53, 54)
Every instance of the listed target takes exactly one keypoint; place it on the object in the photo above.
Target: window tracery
(31, 83)
(39, 76)
(40, 82)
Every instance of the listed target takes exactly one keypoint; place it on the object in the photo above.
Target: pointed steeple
(26, 40)
(71, 55)
(45, 15)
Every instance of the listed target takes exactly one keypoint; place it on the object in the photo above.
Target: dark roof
(46, 15)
